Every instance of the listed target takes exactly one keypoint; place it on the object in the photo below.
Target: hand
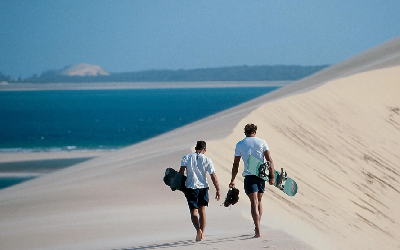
(217, 195)
(232, 184)
(271, 180)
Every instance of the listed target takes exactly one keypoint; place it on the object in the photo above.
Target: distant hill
(93, 73)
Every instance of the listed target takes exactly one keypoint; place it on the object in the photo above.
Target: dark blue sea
(37, 121)
(106, 119)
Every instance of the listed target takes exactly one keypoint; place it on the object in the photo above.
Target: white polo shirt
(197, 166)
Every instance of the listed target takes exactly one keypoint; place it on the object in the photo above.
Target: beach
(137, 85)
(336, 133)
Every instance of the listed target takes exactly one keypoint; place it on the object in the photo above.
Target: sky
(135, 35)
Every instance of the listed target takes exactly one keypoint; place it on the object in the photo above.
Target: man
(197, 165)
(253, 185)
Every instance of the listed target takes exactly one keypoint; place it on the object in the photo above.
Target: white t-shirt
(251, 146)
(197, 165)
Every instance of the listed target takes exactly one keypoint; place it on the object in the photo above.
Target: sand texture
(336, 133)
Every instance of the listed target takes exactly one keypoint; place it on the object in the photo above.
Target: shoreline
(13, 157)
(139, 85)
(18, 167)
(42, 166)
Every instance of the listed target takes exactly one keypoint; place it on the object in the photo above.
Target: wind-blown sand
(337, 133)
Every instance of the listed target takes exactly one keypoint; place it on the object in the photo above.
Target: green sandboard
(282, 182)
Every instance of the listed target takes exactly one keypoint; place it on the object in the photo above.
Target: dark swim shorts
(197, 197)
(253, 184)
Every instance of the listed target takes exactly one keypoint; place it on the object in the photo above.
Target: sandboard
(174, 180)
(282, 181)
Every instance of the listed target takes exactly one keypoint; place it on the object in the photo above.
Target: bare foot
(199, 235)
(257, 233)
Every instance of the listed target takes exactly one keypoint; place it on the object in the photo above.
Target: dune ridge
(336, 133)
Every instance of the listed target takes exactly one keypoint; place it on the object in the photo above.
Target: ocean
(72, 120)
(106, 119)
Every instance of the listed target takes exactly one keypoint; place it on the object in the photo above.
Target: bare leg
(255, 213)
(196, 224)
(260, 208)
(202, 220)
(195, 218)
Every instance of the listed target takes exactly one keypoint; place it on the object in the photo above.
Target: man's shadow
(186, 243)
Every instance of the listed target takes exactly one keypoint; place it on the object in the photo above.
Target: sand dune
(341, 143)
(337, 133)
(84, 69)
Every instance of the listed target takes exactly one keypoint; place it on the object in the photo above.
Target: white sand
(338, 138)
(37, 156)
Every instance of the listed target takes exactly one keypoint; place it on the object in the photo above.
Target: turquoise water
(106, 119)
(10, 181)
(26, 170)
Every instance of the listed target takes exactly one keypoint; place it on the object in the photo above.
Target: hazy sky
(121, 36)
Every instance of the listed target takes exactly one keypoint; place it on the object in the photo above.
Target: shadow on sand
(187, 243)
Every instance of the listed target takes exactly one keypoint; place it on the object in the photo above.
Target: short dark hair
(250, 128)
(200, 145)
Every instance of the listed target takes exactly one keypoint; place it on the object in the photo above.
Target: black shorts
(253, 184)
(197, 197)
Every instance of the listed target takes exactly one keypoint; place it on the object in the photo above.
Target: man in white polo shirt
(197, 165)
(253, 185)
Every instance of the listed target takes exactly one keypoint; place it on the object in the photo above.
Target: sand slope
(339, 140)
(341, 143)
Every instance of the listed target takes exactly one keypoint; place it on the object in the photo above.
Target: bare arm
(216, 185)
(267, 156)
(182, 170)
(235, 170)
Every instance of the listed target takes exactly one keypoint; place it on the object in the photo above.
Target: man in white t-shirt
(253, 185)
(197, 165)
